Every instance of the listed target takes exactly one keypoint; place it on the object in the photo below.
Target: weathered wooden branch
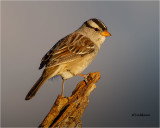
(67, 111)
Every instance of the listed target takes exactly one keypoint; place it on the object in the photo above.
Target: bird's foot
(85, 77)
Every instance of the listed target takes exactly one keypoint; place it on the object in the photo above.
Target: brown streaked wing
(46, 58)
(80, 44)
(64, 57)
(73, 47)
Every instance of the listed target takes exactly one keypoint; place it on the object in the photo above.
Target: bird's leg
(63, 87)
(83, 75)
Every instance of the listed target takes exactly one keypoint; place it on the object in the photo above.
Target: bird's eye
(96, 29)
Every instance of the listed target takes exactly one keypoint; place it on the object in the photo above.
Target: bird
(72, 54)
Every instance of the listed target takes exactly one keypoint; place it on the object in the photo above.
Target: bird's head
(95, 29)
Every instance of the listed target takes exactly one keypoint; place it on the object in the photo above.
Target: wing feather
(68, 49)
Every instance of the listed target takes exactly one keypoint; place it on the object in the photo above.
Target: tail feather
(47, 74)
(35, 88)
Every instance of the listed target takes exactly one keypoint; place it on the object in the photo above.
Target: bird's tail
(47, 74)
(35, 88)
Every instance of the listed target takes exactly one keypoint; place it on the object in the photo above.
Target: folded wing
(68, 49)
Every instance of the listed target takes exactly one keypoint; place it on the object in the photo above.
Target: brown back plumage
(67, 48)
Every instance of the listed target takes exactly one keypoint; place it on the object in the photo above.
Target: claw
(85, 77)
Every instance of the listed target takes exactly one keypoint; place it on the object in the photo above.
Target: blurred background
(128, 61)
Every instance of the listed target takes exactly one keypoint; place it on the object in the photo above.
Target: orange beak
(105, 33)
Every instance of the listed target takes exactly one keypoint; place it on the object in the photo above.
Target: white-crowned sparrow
(72, 54)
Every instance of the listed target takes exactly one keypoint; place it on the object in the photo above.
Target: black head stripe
(99, 23)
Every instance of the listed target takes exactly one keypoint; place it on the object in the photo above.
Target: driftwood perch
(67, 111)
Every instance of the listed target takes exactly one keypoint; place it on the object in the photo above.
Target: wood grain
(67, 111)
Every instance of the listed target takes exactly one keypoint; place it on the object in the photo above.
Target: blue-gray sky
(127, 61)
